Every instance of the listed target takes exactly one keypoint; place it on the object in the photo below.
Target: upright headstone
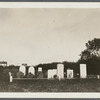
(70, 73)
(31, 70)
(40, 75)
(83, 71)
(9, 73)
(39, 69)
(51, 73)
(22, 69)
(10, 77)
(60, 71)
(98, 76)
(54, 72)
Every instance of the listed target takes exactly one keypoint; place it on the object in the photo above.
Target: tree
(91, 56)
(20, 74)
(6, 74)
(92, 49)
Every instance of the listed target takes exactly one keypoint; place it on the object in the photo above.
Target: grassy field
(73, 85)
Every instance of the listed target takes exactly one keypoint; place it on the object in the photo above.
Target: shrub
(40, 75)
(55, 76)
(30, 75)
(20, 75)
(6, 75)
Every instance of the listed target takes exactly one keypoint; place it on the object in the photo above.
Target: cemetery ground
(54, 85)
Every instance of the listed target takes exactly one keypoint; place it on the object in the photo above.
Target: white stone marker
(9, 73)
(51, 73)
(39, 69)
(54, 72)
(98, 76)
(70, 73)
(60, 71)
(10, 77)
(22, 69)
(31, 70)
(83, 71)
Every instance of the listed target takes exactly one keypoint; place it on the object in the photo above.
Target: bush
(40, 75)
(55, 76)
(1, 72)
(30, 75)
(20, 75)
(6, 75)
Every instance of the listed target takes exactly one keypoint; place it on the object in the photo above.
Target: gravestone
(51, 73)
(83, 71)
(10, 77)
(9, 73)
(98, 76)
(39, 69)
(22, 69)
(70, 73)
(31, 70)
(60, 71)
(54, 72)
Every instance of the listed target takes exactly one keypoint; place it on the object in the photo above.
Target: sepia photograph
(50, 50)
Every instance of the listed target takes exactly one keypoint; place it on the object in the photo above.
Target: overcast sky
(37, 35)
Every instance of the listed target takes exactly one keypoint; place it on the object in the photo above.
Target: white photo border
(49, 5)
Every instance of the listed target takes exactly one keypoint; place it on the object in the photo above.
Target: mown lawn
(73, 85)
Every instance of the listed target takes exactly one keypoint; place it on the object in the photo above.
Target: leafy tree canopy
(92, 49)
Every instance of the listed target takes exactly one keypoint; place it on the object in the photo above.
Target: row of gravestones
(30, 70)
(70, 72)
(59, 72)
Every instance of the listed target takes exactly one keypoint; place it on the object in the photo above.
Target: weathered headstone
(54, 72)
(9, 73)
(98, 76)
(31, 70)
(10, 77)
(60, 71)
(83, 71)
(70, 73)
(39, 69)
(51, 73)
(22, 69)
